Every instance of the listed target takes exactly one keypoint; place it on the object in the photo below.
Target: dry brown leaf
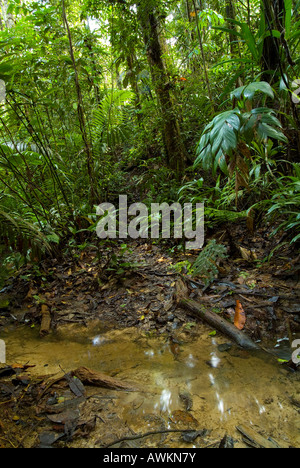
(240, 316)
(161, 259)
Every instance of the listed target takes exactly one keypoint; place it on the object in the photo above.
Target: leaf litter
(78, 291)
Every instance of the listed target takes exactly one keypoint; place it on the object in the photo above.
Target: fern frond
(206, 265)
(22, 234)
(109, 120)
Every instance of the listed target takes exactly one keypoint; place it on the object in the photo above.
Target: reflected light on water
(261, 408)
(215, 360)
(190, 361)
(220, 404)
(166, 400)
(212, 379)
(98, 340)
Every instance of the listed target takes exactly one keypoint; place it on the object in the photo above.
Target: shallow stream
(220, 386)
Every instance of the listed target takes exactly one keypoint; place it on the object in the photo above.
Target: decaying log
(46, 321)
(97, 379)
(212, 318)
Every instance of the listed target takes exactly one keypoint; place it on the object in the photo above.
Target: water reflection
(215, 360)
(98, 340)
(220, 403)
(261, 408)
(224, 394)
(165, 401)
(212, 379)
(190, 361)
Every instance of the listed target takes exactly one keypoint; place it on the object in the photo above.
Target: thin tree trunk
(2, 25)
(214, 320)
(271, 58)
(175, 151)
(8, 18)
(134, 86)
(276, 53)
(203, 60)
(230, 14)
(81, 117)
(89, 45)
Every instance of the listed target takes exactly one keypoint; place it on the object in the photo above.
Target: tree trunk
(230, 14)
(203, 58)
(81, 117)
(271, 58)
(134, 85)
(8, 19)
(276, 52)
(89, 45)
(214, 320)
(193, 61)
(2, 25)
(175, 151)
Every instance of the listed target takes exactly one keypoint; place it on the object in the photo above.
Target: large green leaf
(250, 41)
(266, 131)
(6, 71)
(250, 90)
(219, 139)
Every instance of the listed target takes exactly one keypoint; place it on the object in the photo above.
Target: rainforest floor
(134, 288)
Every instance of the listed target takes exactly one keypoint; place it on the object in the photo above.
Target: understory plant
(283, 205)
(206, 264)
(225, 141)
(244, 144)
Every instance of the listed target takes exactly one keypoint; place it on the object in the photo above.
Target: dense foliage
(164, 100)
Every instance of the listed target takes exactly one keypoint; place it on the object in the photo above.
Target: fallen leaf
(183, 417)
(161, 259)
(245, 253)
(240, 316)
(21, 366)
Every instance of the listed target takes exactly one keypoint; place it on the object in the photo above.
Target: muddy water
(224, 387)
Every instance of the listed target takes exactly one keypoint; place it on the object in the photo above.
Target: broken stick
(46, 321)
(97, 379)
(212, 318)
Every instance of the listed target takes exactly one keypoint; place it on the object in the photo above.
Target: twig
(280, 296)
(7, 401)
(7, 440)
(157, 273)
(20, 444)
(257, 294)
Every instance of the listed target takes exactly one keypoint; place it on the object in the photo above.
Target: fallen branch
(270, 296)
(46, 321)
(254, 439)
(212, 318)
(96, 379)
(148, 434)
